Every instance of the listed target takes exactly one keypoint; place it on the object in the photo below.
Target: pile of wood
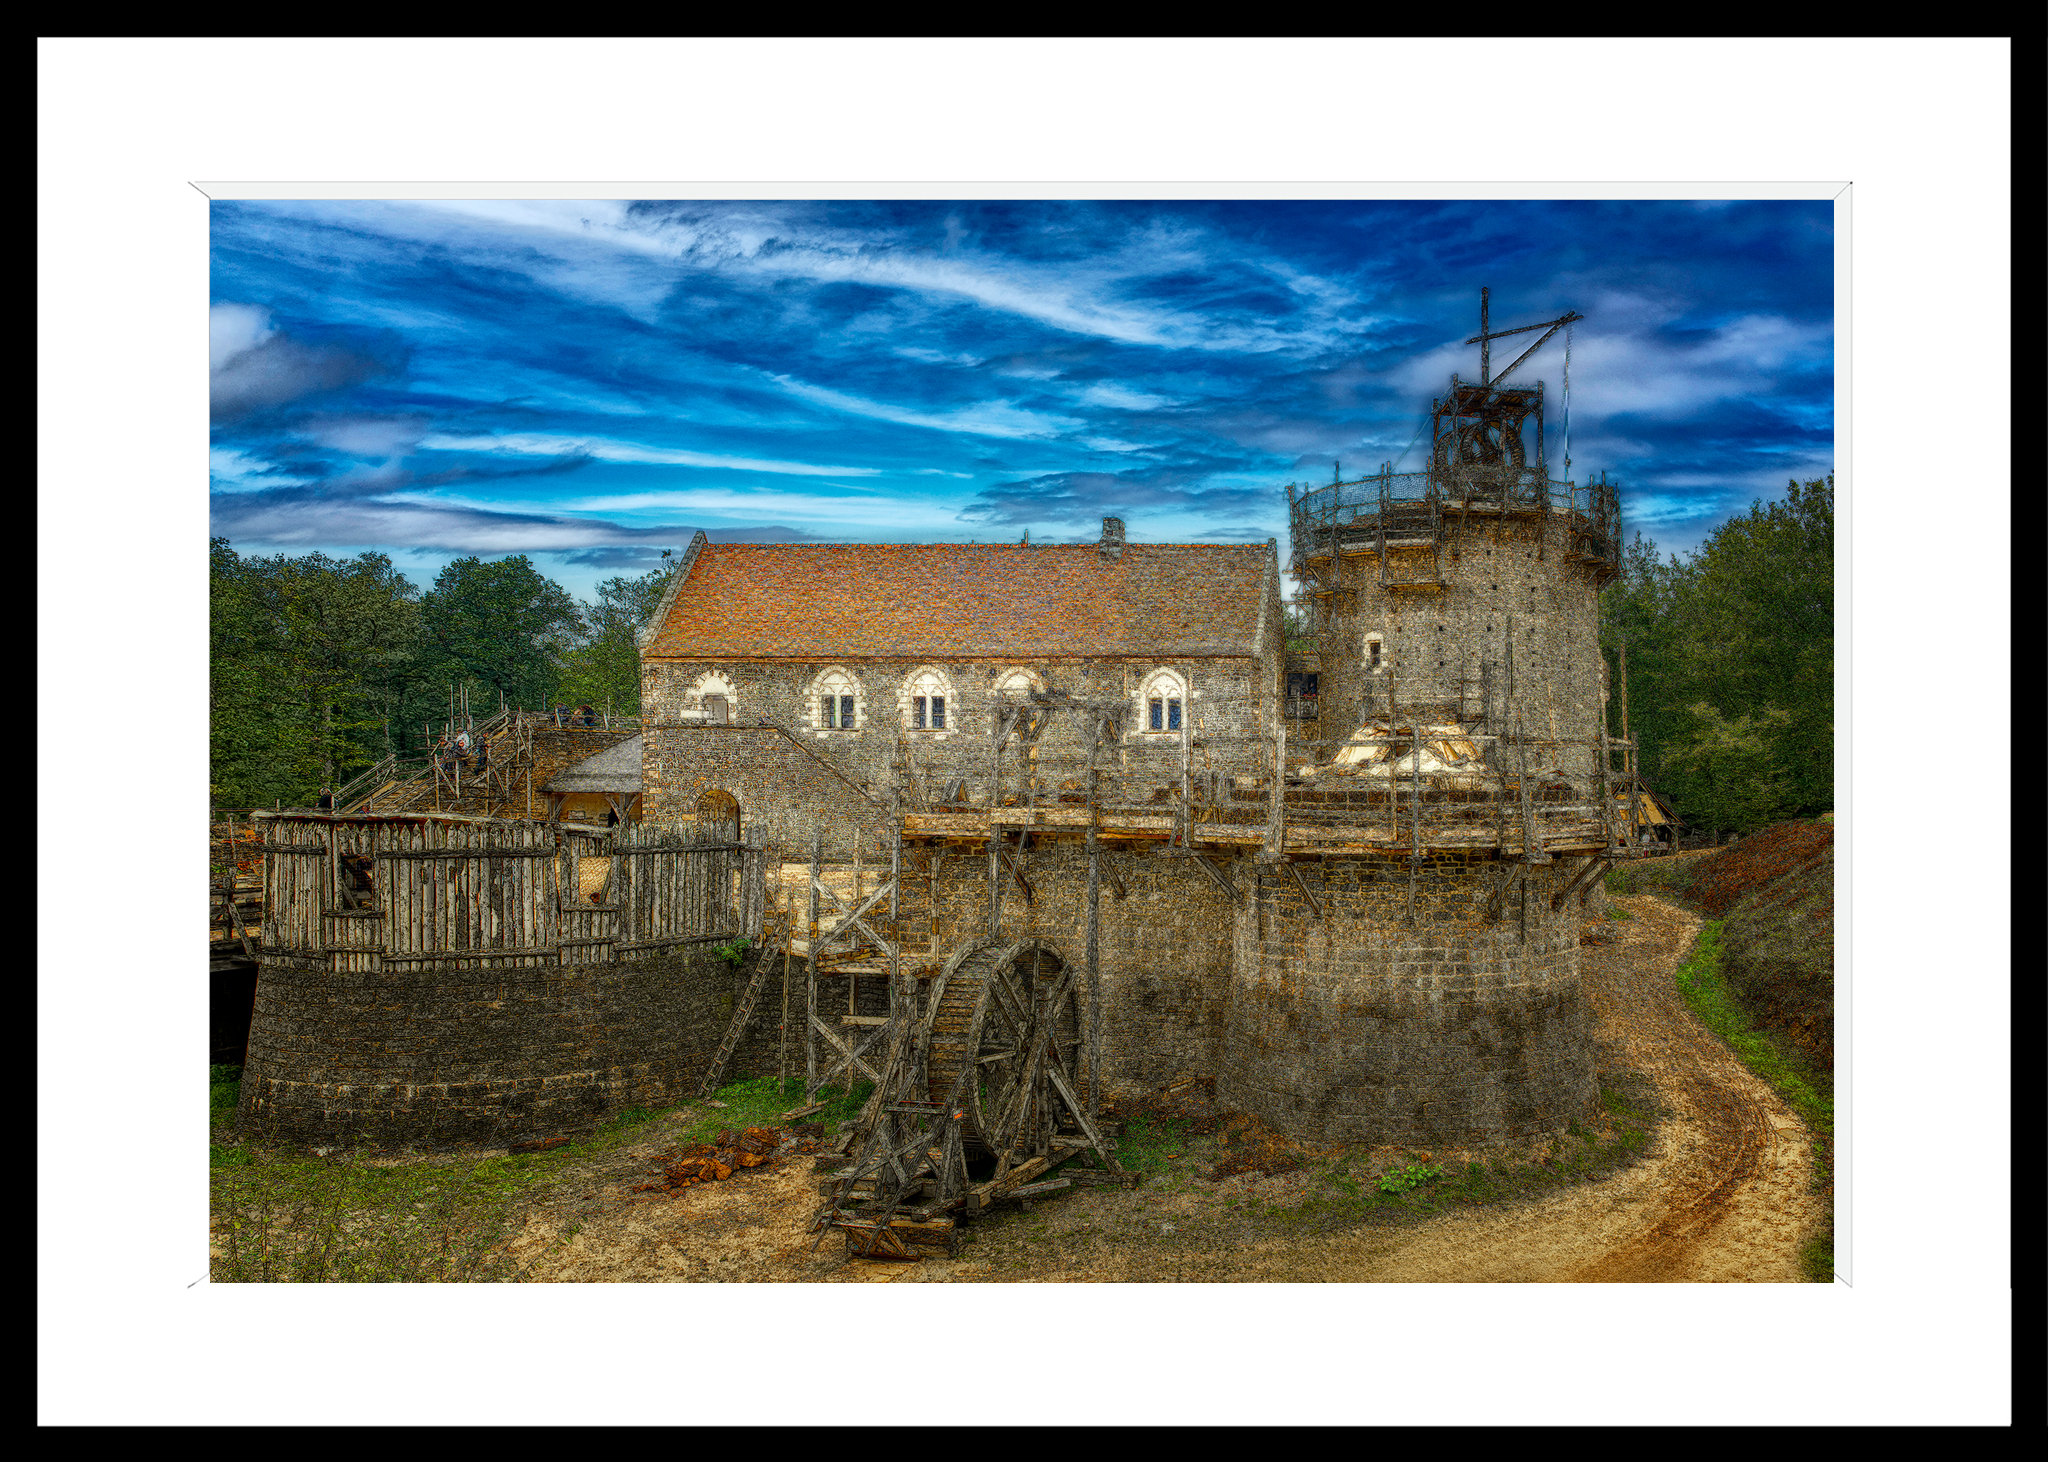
(717, 1160)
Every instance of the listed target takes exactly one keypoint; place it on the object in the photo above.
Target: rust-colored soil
(1722, 1197)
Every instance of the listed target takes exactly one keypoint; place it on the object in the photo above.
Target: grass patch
(1150, 1145)
(761, 1101)
(1651, 875)
(1346, 1194)
(282, 1215)
(1705, 988)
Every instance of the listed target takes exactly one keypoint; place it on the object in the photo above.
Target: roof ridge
(1033, 547)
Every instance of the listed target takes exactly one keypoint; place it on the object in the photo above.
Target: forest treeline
(1731, 663)
(320, 666)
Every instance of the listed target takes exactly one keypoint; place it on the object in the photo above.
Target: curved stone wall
(1433, 643)
(486, 1056)
(1361, 1027)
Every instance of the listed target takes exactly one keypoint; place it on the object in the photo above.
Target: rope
(1412, 441)
(1567, 403)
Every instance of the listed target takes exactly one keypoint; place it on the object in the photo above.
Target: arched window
(836, 701)
(1162, 703)
(1018, 682)
(928, 702)
(711, 698)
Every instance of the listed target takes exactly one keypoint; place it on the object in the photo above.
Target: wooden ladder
(743, 1013)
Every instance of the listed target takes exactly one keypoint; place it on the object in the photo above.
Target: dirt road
(1722, 1198)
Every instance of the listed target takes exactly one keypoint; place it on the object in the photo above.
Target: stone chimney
(1112, 545)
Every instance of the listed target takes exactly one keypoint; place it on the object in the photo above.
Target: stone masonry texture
(490, 1056)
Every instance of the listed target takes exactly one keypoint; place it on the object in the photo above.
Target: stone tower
(1430, 991)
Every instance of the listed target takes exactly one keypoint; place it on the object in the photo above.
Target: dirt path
(1722, 1198)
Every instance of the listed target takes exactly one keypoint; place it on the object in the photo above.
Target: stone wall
(1435, 642)
(1165, 950)
(1359, 1027)
(784, 787)
(1363, 1027)
(490, 1055)
(784, 792)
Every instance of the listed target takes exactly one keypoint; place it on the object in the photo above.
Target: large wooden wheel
(996, 1003)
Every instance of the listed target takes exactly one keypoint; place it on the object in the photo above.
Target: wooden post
(788, 943)
(897, 1004)
(1393, 782)
(1094, 977)
(1606, 797)
(995, 780)
(234, 878)
(1628, 756)
(853, 980)
(1276, 812)
(811, 973)
(995, 888)
(1414, 827)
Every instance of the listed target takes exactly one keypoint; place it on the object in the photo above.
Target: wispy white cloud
(985, 418)
(935, 357)
(1122, 398)
(1088, 297)
(366, 436)
(233, 469)
(541, 444)
(733, 505)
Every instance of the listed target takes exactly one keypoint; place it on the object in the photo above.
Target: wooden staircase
(915, 930)
(523, 751)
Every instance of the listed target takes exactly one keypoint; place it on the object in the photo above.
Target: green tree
(605, 667)
(1730, 772)
(1745, 627)
(500, 630)
(309, 659)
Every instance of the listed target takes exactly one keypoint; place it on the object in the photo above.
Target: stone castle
(1344, 878)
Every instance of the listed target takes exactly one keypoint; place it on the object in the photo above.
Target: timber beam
(1301, 883)
(1583, 875)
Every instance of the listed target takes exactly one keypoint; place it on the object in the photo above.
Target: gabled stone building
(805, 680)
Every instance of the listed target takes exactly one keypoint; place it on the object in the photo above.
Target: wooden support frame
(1276, 803)
(1496, 901)
(1301, 883)
(1583, 876)
(1218, 874)
(1011, 865)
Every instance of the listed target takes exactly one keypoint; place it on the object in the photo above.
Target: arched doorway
(718, 816)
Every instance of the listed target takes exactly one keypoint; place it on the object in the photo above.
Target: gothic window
(928, 702)
(1162, 700)
(836, 701)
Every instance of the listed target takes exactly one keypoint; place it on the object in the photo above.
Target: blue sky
(588, 383)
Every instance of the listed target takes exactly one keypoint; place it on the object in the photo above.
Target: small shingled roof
(827, 601)
(615, 769)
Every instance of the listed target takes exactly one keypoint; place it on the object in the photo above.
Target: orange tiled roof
(811, 601)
